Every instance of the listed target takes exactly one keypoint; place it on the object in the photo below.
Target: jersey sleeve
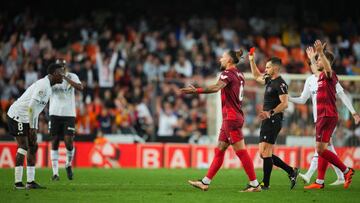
(39, 94)
(305, 94)
(75, 78)
(282, 88)
(225, 77)
(38, 100)
(339, 88)
(334, 79)
(35, 108)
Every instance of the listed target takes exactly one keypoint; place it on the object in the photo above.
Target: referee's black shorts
(62, 125)
(270, 128)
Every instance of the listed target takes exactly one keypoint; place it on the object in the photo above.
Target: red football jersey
(232, 94)
(326, 96)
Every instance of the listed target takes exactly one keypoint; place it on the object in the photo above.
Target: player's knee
(55, 143)
(69, 147)
(55, 146)
(220, 149)
(222, 146)
(320, 149)
(33, 148)
(264, 154)
(22, 150)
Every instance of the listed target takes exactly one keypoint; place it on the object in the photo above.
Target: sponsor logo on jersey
(41, 93)
(268, 89)
(223, 77)
(283, 87)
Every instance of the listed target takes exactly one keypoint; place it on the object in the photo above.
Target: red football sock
(322, 166)
(247, 163)
(333, 159)
(216, 163)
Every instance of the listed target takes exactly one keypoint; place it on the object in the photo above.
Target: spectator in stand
(168, 121)
(140, 59)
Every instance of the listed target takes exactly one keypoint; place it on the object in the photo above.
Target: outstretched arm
(299, 100)
(113, 60)
(205, 90)
(319, 47)
(311, 55)
(255, 71)
(346, 101)
(305, 95)
(99, 61)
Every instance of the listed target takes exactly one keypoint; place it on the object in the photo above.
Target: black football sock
(267, 168)
(279, 163)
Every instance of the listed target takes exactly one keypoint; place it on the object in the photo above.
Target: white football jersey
(62, 101)
(310, 89)
(39, 93)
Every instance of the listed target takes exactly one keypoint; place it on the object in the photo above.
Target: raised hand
(252, 53)
(356, 117)
(310, 52)
(319, 47)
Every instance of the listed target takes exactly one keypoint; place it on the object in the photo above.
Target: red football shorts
(325, 126)
(231, 132)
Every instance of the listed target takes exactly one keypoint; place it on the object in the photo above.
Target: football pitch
(167, 185)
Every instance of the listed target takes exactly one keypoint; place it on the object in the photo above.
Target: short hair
(235, 55)
(53, 67)
(275, 61)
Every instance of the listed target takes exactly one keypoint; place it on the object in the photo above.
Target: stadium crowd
(132, 71)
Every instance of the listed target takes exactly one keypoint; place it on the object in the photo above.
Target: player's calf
(69, 172)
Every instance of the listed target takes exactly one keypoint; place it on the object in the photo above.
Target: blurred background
(133, 56)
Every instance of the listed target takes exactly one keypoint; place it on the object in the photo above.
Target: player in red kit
(231, 83)
(327, 118)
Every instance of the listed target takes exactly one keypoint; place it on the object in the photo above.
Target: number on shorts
(20, 127)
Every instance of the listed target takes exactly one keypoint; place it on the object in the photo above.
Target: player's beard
(266, 75)
(222, 68)
(320, 69)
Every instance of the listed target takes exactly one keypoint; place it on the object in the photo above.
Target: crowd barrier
(158, 155)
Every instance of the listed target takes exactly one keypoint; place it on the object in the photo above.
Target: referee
(275, 102)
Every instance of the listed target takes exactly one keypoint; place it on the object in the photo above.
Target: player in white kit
(22, 119)
(62, 120)
(310, 90)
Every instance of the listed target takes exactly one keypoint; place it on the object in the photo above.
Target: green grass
(164, 185)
